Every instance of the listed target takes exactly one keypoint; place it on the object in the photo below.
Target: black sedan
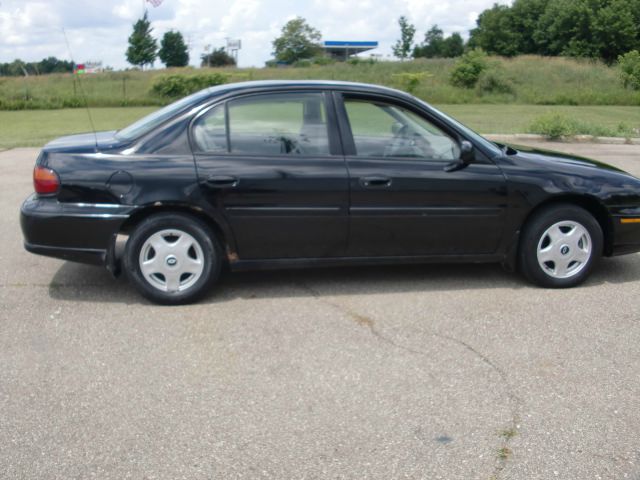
(290, 174)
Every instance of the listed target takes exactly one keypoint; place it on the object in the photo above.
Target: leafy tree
(565, 29)
(453, 46)
(524, 21)
(581, 28)
(585, 28)
(217, 58)
(54, 65)
(17, 68)
(43, 67)
(495, 33)
(142, 46)
(297, 41)
(403, 46)
(431, 47)
(508, 31)
(435, 45)
(615, 30)
(173, 51)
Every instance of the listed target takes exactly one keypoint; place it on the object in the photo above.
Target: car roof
(281, 84)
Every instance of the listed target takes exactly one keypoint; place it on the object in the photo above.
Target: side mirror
(465, 158)
(466, 152)
(396, 128)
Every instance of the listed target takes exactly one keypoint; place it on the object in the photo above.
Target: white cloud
(98, 29)
(127, 10)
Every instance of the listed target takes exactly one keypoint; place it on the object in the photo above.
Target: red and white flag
(155, 3)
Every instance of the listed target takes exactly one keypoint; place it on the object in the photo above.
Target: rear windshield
(151, 121)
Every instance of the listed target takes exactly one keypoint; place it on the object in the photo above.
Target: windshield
(151, 121)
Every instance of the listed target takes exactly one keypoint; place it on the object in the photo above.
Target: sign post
(233, 47)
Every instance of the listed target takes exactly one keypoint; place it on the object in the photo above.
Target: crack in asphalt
(515, 402)
(359, 319)
(504, 452)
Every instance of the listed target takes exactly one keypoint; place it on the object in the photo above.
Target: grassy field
(26, 128)
(534, 80)
(34, 128)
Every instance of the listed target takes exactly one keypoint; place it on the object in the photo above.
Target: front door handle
(221, 181)
(375, 182)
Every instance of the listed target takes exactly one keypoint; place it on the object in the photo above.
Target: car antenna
(82, 92)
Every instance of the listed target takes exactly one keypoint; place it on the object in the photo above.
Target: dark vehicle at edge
(288, 174)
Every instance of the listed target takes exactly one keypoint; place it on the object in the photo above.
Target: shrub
(468, 68)
(553, 125)
(302, 63)
(557, 125)
(624, 130)
(495, 80)
(410, 81)
(361, 61)
(629, 65)
(173, 86)
(323, 60)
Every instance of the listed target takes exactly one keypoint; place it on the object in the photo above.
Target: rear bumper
(72, 231)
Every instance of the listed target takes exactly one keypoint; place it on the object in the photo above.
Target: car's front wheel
(172, 258)
(559, 246)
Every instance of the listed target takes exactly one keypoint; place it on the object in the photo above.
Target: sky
(97, 30)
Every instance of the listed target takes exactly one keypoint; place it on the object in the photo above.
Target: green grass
(540, 85)
(27, 128)
(536, 81)
(34, 128)
(518, 118)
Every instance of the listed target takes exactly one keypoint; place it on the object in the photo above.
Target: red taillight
(45, 180)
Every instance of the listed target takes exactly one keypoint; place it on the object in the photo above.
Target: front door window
(383, 130)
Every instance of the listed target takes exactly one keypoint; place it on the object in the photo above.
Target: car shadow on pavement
(77, 282)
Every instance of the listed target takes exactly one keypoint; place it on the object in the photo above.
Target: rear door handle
(375, 182)
(222, 181)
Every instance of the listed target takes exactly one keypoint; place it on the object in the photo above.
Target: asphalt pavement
(435, 372)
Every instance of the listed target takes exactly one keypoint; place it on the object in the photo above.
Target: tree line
(602, 29)
(18, 68)
(173, 51)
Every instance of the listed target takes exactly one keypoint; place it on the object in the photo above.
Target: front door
(272, 165)
(403, 201)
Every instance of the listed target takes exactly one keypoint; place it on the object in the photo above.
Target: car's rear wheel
(560, 246)
(172, 258)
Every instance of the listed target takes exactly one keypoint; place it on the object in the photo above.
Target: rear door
(272, 163)
(404, 202)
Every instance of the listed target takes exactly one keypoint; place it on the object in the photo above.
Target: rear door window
(278, 124)
(209, 131)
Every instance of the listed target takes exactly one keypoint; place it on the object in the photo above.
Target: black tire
(207, 253)
(545, 274)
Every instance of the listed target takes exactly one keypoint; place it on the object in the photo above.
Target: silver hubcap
(171, 260)
(564, 249)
